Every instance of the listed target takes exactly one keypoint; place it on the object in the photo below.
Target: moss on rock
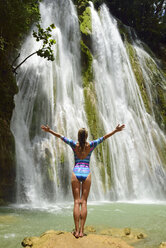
(108, 163)
(103, 177)
(86, 61)
(96, 129)
(85, 22)
(47, 173)
(160, 147)
(156, 103)
(158, 91)
(138, 75)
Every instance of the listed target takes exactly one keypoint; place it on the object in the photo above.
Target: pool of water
(17, 222)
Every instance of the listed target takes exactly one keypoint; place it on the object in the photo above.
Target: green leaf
(52, 26)
(45, 36)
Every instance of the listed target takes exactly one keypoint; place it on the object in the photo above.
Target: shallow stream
(17, 222)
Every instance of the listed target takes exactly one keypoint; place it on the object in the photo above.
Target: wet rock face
(7, 145)
(7, 167)
(8, 89)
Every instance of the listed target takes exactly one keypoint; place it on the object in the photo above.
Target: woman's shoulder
(94, 143)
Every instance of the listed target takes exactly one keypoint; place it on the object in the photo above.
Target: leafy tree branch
(46, 50)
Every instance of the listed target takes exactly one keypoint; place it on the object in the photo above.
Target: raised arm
(47, 129)
(117, 129)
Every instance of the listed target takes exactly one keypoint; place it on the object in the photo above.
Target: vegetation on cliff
(16, 18)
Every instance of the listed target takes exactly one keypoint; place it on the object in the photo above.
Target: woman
(81, 172)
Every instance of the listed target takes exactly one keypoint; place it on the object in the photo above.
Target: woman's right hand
(45, 128)
(119, 128)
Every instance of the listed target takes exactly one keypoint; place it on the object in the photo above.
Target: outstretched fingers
(120, 128)
(45, 128)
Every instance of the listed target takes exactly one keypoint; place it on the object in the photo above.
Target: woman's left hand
(45, 128)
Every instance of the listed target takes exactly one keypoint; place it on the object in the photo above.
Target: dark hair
(82, 136)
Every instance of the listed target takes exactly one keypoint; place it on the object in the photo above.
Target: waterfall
(136, 167)
(52, 93)
(49, 93)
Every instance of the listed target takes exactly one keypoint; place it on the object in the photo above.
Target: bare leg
(85, 192)
(76, 210)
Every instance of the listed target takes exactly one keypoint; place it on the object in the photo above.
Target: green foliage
(86, 24)
(46, 49)
(16, 17)
(45, 36)
(85, 28)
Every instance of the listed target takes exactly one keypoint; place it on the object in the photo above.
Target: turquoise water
(19, 222)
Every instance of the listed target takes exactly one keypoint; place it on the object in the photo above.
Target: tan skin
(80, 201)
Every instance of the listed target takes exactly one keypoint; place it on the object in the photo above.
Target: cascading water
(136, 168)
(49, 93)
(52, 93)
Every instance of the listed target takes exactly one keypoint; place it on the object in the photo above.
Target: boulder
(127, 231)
(60, 239)
(162, 245)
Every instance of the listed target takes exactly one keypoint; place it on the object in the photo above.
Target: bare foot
(76, 234)
(81, 235)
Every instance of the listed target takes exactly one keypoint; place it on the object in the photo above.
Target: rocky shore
(110, 238)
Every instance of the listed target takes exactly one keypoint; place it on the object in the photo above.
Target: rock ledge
(60, 239)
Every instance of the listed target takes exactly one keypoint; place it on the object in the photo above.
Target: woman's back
(82, 153)
(82, 156)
